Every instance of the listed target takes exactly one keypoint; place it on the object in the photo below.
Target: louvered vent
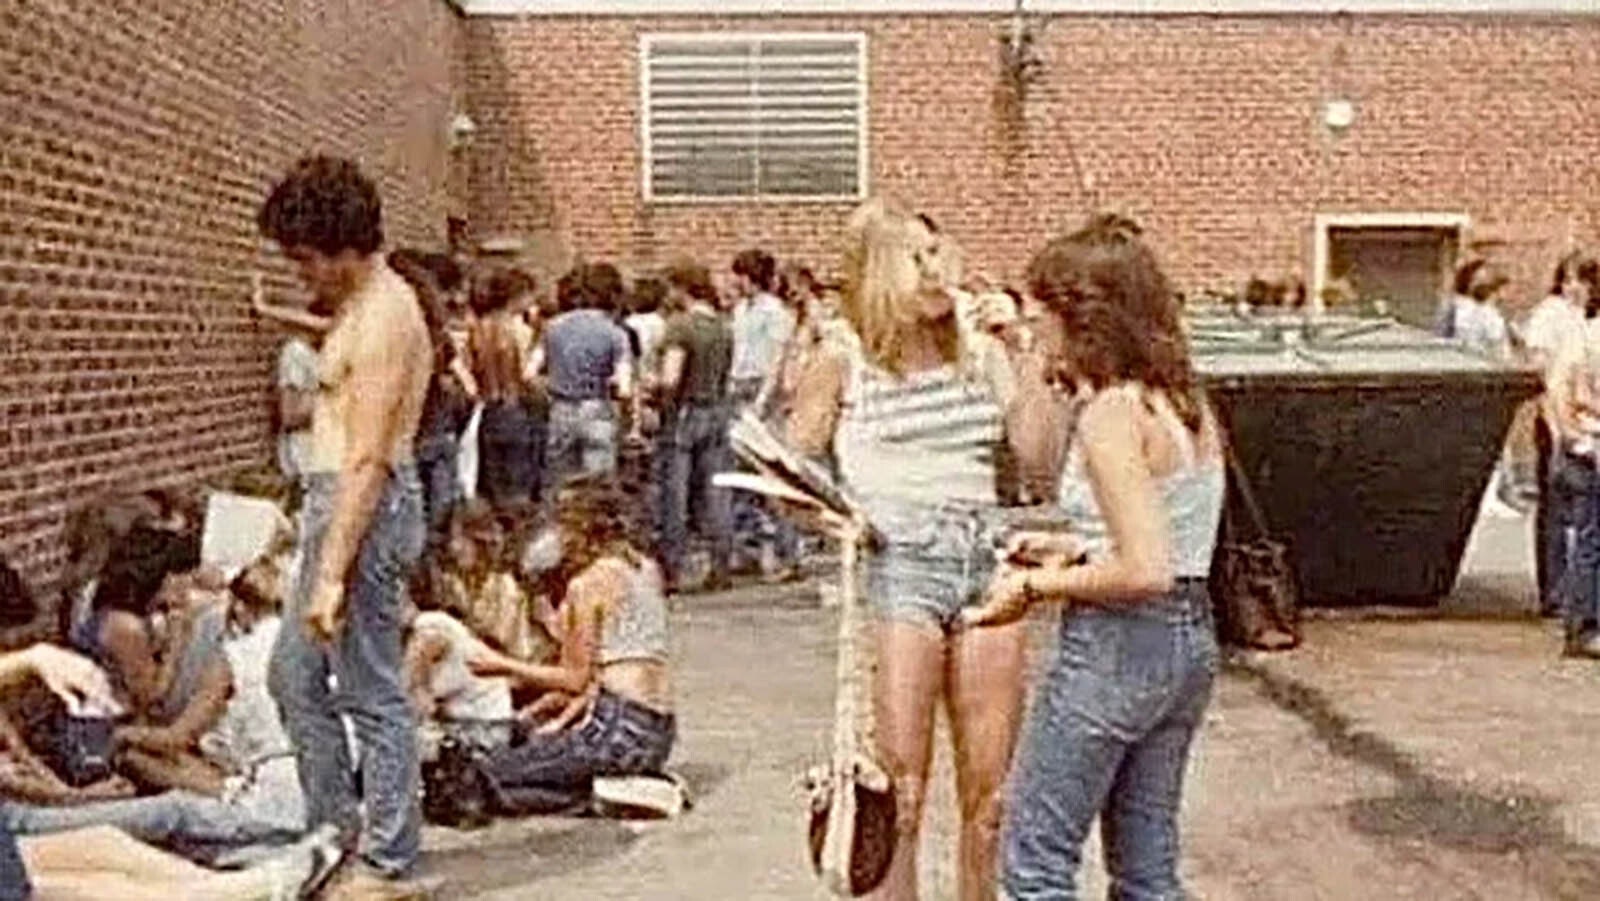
(754, 116)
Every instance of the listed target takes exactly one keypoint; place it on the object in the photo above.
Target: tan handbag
(853, 808)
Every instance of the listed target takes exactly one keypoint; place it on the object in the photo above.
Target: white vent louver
(754, 116)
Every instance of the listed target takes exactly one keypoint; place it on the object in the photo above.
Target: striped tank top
(918, 451)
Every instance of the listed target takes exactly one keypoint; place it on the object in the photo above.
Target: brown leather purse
(1253, 580)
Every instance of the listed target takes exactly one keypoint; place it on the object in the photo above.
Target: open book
(783, 473)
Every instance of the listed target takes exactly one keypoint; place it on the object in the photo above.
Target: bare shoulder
(389, 321)
(603, 580)
(1113, 411)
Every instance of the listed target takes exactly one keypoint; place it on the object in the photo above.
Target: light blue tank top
(1192, 497)
(638, 628)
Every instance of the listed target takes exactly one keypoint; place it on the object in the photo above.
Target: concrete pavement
(1397, 755)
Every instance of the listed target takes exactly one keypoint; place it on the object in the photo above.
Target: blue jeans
(582, 439)
(437, 459)
(1575, 487)
(366, 662)
(694, 450)
(180, 821)
(14, 884)
(935, 562)
(508, 453)
(552, 772)
(1109, 735)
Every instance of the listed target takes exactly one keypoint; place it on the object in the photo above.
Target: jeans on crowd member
(1552, 521)
(695, 450)
(508, 453)
(193, 825)
(366, 662)
(582, 439)
(14, 885)
(791, 541)
(751, 523)
(1109, 736)
(1576, 487)
(437, 457)
(546, 773)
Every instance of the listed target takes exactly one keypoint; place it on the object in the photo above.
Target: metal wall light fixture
(1019, 55)
(1338, 115)
(462, 130)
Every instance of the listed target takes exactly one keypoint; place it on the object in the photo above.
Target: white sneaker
(655, 797)
(305, 867)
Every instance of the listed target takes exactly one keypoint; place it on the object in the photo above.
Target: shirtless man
(362, 528)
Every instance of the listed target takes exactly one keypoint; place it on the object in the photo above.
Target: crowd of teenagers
(494, 493)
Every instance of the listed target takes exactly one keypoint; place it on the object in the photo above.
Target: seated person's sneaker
(651, 797)
(301, 870)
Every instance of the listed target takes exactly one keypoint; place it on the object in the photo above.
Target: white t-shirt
(761, 327)
(249, 742)
(460, 694)
(1550, 323)
(1480, 326)
(1577, 355)
(297, 371)
(649, 327)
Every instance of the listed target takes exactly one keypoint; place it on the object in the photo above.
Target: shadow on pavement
(517, 853)
(1437, 810)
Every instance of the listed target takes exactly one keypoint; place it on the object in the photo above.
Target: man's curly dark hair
(325, 204)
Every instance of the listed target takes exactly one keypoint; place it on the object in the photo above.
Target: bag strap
(1242, 482)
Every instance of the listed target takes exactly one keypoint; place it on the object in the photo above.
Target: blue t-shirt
(583, 349)
(14, 884)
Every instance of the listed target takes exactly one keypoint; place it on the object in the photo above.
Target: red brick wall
(1207, 129)
(136, 141)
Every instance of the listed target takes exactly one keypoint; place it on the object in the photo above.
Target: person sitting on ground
(473, 603)
(238, 793)
(477, 584)
(614, 665)
(120, 549)
(160, 749)
(106, 863)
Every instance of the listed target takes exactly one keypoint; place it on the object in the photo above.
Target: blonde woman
(915, 441)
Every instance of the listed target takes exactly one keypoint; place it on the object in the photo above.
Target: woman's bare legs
(99, 863)
(910, 677)
(985, 699)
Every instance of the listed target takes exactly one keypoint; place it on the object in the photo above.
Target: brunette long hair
(1121, 318)
(597, 520)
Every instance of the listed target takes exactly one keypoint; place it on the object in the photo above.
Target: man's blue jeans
(438, 458)
(582, 439)
(508, 453)
(694, 450)
(1109, 736)
(1576, 488)
(366, 662)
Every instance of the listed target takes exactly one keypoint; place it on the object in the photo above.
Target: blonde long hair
(883, 260)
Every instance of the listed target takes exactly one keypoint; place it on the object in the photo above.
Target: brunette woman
(915, 442)
(1113, 721)
(614, 663)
